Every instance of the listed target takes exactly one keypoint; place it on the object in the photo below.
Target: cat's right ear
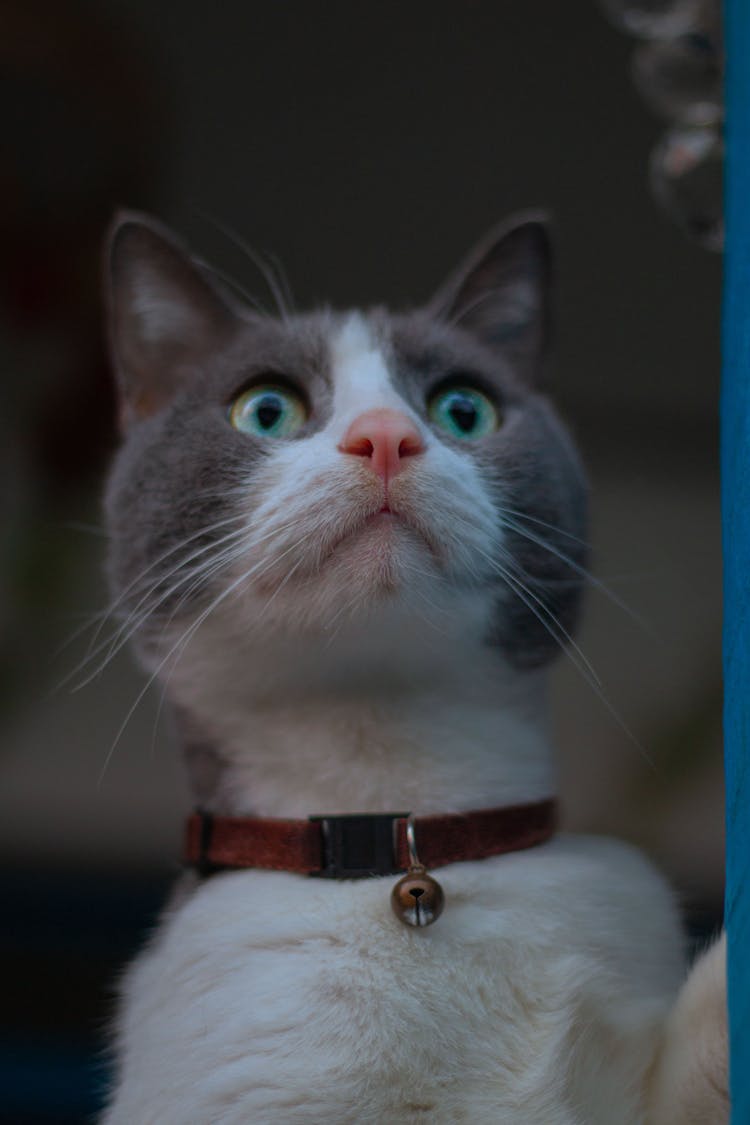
(165, 315)
(501, 293)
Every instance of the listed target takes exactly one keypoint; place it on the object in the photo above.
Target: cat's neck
(450, 731)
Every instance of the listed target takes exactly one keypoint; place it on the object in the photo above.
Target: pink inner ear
(141, 404)
(165, 313)
(386, 438)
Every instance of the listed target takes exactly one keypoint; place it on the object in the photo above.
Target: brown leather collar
(352, 847)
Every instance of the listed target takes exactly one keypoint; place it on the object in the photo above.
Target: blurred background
(366, 147)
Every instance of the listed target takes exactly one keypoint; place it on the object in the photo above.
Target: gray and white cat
(349, 546)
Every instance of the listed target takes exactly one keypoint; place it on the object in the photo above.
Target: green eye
(464, 413)
(268, 411)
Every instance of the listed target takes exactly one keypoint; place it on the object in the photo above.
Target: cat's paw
(689, 1082)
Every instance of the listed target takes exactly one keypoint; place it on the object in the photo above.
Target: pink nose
(386, 437)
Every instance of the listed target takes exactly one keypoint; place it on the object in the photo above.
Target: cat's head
(299, 475)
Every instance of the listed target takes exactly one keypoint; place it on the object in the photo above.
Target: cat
(349, 545)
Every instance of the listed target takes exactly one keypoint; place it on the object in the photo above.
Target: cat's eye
(268, 411)
(464, 412)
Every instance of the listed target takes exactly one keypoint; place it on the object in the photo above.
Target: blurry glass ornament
(655, 19)
(681, 79)
(686, 178)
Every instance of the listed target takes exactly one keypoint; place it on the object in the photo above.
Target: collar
(357, 846)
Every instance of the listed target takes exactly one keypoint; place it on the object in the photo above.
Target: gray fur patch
(534, 471)
(172, 492)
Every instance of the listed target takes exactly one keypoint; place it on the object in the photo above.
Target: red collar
(352, 847)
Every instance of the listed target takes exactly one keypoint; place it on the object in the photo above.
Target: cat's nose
(386, 437)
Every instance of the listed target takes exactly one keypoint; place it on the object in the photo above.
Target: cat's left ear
(166, 314)
(501, 293)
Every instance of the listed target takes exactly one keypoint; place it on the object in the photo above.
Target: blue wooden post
(735, 470)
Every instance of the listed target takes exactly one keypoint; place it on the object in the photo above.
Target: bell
(417, 899)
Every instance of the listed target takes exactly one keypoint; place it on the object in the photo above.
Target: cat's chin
(381, 552)
(386, 547)
(385, 561)
(387, 555)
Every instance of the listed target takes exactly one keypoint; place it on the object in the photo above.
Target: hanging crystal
(678, 71)
(681, 79)
(686, 179)
(653, 19)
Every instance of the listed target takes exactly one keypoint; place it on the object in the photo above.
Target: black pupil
(463, 412)
(268, 411)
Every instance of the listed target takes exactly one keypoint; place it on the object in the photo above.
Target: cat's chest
(286, 998)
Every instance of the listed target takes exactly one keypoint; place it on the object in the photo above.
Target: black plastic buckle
(359, 845)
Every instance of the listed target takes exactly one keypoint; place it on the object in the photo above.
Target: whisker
(466, 310)
(198, 576)
(527, 596)
(182, 643)
(206, 530)
(280, 587)
(157, 717)
(525, 533)
(257, 260)
(277, 265)
(342, 611)
(252, 541)
(586, 670)
(542, 523)
(90, 620)
(183, 639)
(571, 563)
(121, 635)
(252, 302)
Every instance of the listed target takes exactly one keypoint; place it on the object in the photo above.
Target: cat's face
(305, 474)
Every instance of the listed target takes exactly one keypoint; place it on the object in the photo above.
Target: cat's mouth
(380, 550)
(382, 540)
(386, 528)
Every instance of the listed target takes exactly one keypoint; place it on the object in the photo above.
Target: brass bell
(417, 899)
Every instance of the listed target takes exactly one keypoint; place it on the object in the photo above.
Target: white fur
(688, 1085)
(361, 379)
(346, 672)
(536, 999)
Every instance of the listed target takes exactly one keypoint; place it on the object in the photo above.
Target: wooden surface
(735, 458)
